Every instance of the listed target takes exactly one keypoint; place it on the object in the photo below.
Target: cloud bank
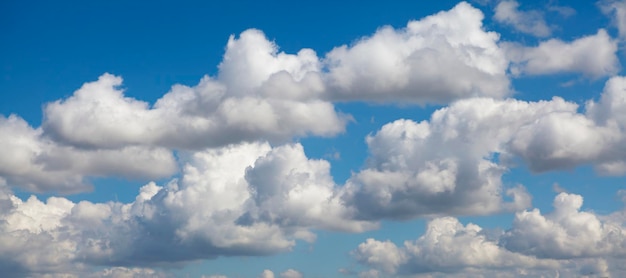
(233, 181)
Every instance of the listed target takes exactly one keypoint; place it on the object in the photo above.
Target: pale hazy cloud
(529, 22)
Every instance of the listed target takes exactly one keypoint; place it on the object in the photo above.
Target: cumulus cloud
(566, 232)
(209, 114)
(592, 55)
(439, 58)
(243, 191)
(263, 94)
(446, 246)
(566, 242)
(260, 93)
(222, 205)
(33, 162)
(445, 166)
(529, 22)
(564, 140)
(453, 163)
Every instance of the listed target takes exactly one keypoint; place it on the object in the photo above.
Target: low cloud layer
(566, 242)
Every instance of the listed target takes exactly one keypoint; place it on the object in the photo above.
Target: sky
(313, 139)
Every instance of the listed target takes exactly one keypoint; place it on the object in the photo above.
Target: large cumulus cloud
(244, 190)
(34, 162)
(223, 204)
(439, 58)
(453, 163)
(566, 242)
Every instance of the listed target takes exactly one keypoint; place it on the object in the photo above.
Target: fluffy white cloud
(33, 162)
(261, 93)
(566, 232)
(453, 163)
(439, 58)
(567, 139)
(593, 56)
(566, 242)
(239, 196)
(222, 205)
(253, 199)
(445, 165)
(446, 246)
(258, 94)
(529, 22)
(209, 114)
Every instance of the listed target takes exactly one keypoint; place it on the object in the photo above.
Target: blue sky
(281, 139)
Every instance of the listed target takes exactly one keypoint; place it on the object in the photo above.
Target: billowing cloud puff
(446, 246)
(243, 191)
(566, 242)
(263, 94)
(593, 55)
(445, 165)
(568, 139)
(453, 163)
(35, 163)
(529, 22)
(99, 116)
(439, 58)
(565, 233)
(222, 205)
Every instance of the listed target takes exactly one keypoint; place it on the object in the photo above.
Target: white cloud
(253, 199)
(567, 139)
(243, 192)
(446, 246)
(453, 163)
(35, 163)
(439, 58)
(617, 10)
(445, 166)
(593, 56)
(222, 205)
(261, 93)
(291, 273)
(125, 272)
(209, 114)
(566, 232)
(567, 242)
(267, 274)
(529, 22)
